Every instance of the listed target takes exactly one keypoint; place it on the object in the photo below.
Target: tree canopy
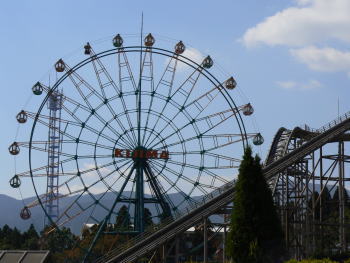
(255, 232)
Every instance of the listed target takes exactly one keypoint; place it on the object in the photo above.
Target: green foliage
(325, 260)
(14, 239)
(327, 237)
(148, 217)
(255, 233)
(123, 221)
(57, 241)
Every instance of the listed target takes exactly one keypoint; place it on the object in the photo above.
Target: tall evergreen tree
(123, 221)
(255, 233)
(326, 201)
(346, 198)
(31, 238)
(148, 217)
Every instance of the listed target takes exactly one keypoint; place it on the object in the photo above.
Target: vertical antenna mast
(139, 89)
(139, 203)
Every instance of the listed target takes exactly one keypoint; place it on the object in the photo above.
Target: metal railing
(154, 228)
(268, 171)
(330, 124)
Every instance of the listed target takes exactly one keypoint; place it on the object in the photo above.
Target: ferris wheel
(133, 126)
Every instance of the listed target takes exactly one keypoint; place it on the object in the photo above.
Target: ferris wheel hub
(140, 153)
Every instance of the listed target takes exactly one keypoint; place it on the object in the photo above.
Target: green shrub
(325, 260)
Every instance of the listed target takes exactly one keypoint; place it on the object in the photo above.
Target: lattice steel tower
(54, 105)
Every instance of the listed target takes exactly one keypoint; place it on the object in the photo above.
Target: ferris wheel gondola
(152, 136)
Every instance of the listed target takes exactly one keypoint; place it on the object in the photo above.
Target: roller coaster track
(278, 160)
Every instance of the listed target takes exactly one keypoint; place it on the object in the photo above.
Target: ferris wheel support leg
(156, 188)
(108, 216)
(140, 204)
(205, 229)
(177, 249)
(163, 253)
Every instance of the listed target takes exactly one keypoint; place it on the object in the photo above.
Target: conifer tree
(31, 238)
(148, 217)
(123, 221)
(255, 233)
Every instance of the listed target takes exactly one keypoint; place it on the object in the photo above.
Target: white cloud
(194, 55)
(310, 22)
(292, 85)
(190, 53)
(303, 2)
(323, 59)
(286, 84)
(312, 84)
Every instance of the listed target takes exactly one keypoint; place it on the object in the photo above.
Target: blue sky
(290, 58)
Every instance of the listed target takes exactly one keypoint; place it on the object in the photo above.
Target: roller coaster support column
(341, 196)
(163, 254)
(205, 229)
(177, 248)
(224, 246)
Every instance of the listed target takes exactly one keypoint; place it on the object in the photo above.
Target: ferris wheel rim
(130, 49)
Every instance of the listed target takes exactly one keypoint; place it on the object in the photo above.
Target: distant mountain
(11, 208)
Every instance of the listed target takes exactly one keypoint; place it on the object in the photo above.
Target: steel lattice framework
(311, 193)
(54, 148)
(296, 159)
(142, 133)
(135, 126)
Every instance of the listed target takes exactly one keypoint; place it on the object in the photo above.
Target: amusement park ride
(134, 125)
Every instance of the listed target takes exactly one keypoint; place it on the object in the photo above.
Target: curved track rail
(278, 160)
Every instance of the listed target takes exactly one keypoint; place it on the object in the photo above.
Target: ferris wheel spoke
(183, 90)
(125, 163)
(103, 121)
(217, 164)
(44, 168)
(168, 76)
(217, 140)
(232, 162)
(100, 69)
(79, 122)
(197, 184)
(44, 119)
(33, 146)
(123, 62)
(66, 216)
(158, 133)
(159, 191)
(211, 121)
(178, 174)
(65, 98)
(78, 81)
(167, 79)
(187, 87)
(93, 130)
(148, 78)
(43, 149)
(73, 140)
(158, 167)
(65, 185)
(203, 101)
(167, 116)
